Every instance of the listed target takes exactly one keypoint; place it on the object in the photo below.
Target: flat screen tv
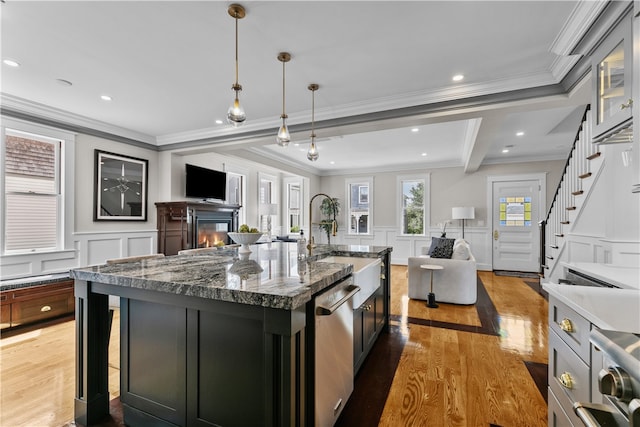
(203, 183)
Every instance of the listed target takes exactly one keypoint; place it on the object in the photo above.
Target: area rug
(516, 274)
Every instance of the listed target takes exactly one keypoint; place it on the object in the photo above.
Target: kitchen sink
(366, 275)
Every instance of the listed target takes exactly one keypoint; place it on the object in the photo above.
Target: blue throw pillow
(441, 247)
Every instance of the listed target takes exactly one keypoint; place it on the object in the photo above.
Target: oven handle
(597, 415)
(327, 311)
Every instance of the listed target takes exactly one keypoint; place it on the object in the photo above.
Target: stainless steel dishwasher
(334, 351)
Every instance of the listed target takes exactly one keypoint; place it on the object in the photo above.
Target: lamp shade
(463, 213)
(269, 209)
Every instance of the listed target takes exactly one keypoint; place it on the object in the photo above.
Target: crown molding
(581, 19)
(300, 121)
(24, 107)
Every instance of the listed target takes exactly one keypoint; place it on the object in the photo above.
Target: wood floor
(481, 365)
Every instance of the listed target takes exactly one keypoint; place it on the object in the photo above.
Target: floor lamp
(463, 213)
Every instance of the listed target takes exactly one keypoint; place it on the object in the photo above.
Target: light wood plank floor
(449, 377)
(445, 376)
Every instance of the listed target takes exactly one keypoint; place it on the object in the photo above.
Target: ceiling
(383, 67)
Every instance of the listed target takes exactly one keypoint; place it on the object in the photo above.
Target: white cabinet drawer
(571, 327)
(568, 374)
(556, 414)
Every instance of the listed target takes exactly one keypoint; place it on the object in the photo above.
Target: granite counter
(270, 276)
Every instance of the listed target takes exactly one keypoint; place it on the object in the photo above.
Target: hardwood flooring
(480, 365)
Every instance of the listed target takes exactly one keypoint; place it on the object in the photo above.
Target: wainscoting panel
(36, 264)
(88, 249)
(404, 247)
(141, 245)
(98, 250)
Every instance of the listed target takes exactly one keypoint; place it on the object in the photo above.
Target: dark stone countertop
(270, 276)
(27, 282)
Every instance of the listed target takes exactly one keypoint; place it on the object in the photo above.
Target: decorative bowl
(245, 239)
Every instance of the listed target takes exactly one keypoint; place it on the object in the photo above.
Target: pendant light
(312, 154)
(236, 115)
(283, 137)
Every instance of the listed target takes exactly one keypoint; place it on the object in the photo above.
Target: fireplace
(212, 232)
(190, 225)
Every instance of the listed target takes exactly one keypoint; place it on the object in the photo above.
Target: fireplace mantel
(178, 223)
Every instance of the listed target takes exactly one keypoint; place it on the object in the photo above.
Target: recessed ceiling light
(332, 162)
(457, 77)
(64, 82)
(105, 97)
(520, 133)
(414, 130)
(219, 122)
(424, 154)
(11, 63)
(506, 150)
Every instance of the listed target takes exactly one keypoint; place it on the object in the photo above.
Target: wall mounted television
(203, 183)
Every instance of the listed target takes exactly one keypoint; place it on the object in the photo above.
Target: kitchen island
(210, 339)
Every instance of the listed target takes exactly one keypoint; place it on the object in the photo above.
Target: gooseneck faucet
(334, 223)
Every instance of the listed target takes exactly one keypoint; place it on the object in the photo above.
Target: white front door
(516, 210)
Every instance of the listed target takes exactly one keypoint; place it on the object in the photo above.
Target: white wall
(449, 187)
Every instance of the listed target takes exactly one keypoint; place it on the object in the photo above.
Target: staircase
(580, 174)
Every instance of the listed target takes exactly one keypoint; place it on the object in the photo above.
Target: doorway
(515, 205)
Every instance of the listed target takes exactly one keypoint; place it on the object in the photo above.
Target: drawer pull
(566, 380)
(45, 308)
(566, 325)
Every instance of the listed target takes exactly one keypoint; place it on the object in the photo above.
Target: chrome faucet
(334, 223)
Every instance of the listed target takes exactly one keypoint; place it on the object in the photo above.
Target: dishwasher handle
(597, 415)
(327, 311)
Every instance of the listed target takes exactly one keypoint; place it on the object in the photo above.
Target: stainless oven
(618, 381)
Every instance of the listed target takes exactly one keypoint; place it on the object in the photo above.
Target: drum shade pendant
(236, 115)
(312, 154)
(283, 137)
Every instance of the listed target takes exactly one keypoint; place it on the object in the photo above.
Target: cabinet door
(379, 308)
(358, 341)
(370, 321)
(612, 78)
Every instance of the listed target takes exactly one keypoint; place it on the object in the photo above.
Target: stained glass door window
(515, 211)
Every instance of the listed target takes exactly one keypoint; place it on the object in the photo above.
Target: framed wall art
(120, 192)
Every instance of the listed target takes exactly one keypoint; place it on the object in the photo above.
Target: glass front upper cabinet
(612, 76)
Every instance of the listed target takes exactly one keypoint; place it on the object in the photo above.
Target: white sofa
(456, 283)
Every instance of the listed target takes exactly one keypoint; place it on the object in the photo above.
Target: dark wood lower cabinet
(33, 304)
(211, 364)
(368, 322)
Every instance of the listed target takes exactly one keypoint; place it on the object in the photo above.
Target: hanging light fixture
(283, 137)
(236, 115)
(312, 154)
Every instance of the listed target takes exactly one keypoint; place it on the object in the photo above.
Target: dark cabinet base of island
(196, 350)
(192, 362)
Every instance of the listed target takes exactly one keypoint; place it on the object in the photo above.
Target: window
(235, 193)
(359, 205)
(32, 192)
(294, 195)
(267, 199)
(413, 206)
(515, 211)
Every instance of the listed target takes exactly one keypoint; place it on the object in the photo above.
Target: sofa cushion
(461, 250)
(441, 247)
